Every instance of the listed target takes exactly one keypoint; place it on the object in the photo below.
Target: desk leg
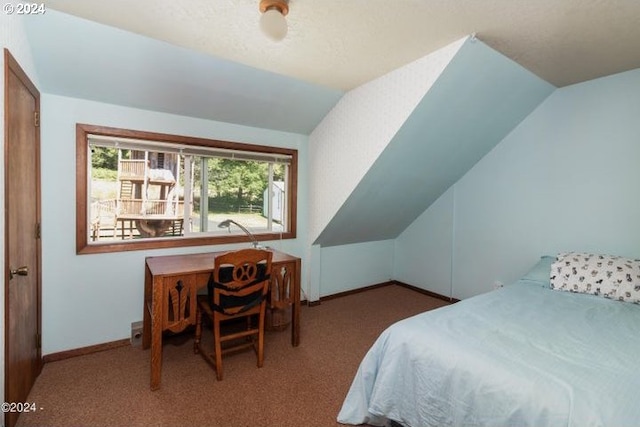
(295, 313)
(146, 309)
(156, 333)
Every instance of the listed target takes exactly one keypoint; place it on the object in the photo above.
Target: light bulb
(273, 24)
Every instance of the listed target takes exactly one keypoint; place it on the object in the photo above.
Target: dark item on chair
(238, 289)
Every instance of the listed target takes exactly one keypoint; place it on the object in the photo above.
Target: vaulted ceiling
(343, 44)
(82, 59)
(207, 59)
(479, 98)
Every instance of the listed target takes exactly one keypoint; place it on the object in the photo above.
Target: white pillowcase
(607, 276)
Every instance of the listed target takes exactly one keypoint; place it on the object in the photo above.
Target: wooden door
(23, 354)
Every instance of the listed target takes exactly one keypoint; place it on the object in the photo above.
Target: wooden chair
(238, 288)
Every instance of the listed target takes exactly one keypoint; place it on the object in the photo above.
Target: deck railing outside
(132, 168)
(150, 207)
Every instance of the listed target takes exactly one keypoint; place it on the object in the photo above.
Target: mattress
(522, 355)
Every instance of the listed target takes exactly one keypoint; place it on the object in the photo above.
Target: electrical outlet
(136, 334)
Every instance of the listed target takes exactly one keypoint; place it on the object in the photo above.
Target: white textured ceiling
(344, 43)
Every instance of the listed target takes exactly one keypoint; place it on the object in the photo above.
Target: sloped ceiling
(344, 44)
(217, 65)
(82, 59)
(478, 99)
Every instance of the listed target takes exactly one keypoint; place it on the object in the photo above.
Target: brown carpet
(302, 386)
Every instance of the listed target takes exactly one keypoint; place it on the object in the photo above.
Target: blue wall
(348, 267)
(565, 179)
(107, 289)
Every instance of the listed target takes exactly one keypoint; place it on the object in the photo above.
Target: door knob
(20, 271)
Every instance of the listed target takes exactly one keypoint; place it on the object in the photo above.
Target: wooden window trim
(82, 236)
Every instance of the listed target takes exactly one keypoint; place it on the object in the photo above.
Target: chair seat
(238, 289)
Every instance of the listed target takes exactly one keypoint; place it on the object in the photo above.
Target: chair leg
(198, 336)
(218, 348)
(261, 339)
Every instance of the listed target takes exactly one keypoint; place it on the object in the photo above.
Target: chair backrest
(240, 280)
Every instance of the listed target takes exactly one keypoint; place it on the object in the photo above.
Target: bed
(526, 354)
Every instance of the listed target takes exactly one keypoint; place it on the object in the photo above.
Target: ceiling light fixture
(272, 21)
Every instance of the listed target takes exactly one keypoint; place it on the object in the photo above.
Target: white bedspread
(522, 355)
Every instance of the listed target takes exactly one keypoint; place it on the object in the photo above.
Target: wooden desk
(171, 284)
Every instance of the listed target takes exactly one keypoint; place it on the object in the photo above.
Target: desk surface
(196, 263)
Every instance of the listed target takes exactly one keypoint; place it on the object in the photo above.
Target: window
(140, 190)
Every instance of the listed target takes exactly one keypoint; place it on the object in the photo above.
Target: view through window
(151, 190)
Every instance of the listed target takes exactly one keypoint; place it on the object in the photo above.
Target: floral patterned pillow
(607, 276)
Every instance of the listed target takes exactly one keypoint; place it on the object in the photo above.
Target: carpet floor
(301, 386)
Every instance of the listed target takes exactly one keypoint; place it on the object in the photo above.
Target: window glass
(148, 190)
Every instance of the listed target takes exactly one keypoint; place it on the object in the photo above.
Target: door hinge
(38, 230)
(38, 340)
(36, 118)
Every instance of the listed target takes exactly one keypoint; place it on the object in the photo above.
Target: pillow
(539, 273)
(606, 276)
